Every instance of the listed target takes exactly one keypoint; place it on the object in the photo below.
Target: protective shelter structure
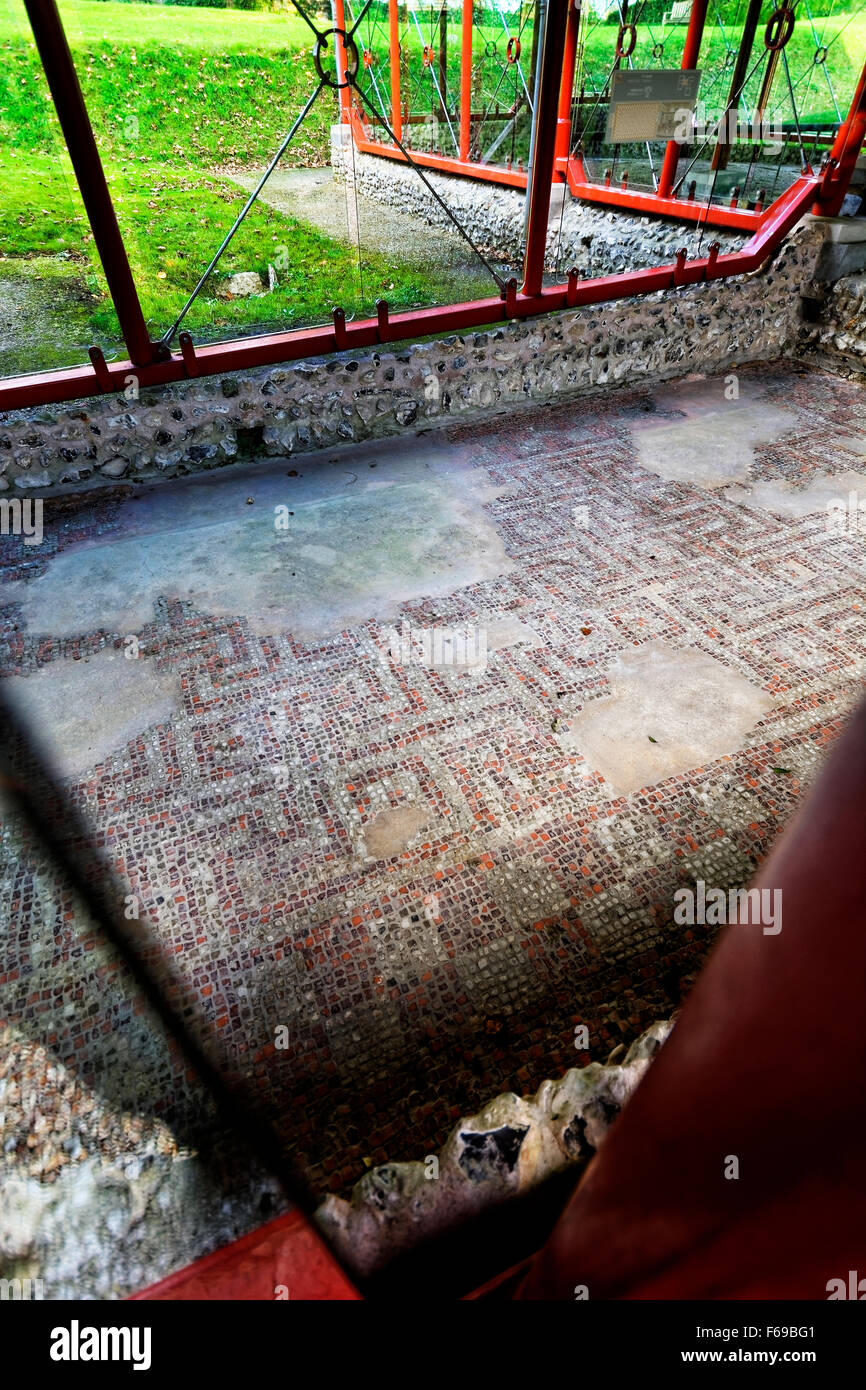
(524, 82)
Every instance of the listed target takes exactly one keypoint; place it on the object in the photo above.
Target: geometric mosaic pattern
(521, 896)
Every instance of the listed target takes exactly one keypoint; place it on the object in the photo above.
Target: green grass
(175, 94)
(193, 87)
(199, 86)
(173, 222)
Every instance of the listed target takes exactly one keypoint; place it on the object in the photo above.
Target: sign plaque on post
(651, 104)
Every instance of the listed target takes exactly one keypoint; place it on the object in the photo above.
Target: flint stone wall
(107, 1227)
(278, 411)
(509, 1147)
(595, 241)
(837, 337)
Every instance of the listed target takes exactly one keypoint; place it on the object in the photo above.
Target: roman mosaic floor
(402, 752)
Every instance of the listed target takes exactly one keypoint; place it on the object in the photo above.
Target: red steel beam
(83, 152)
(843, 155)
(245, 354)
(465, 80)
(544, 144)
(488, 173)
(651, 204)
(566, 90)
(691, 53)
(287, 1253)
(394, 61)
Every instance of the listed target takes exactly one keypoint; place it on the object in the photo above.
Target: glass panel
(656, 43)
(504, 50)
(786, 110)
(402, 223)
(53, 298)
(190, 106)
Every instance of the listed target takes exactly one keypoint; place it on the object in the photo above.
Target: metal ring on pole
(367, 58)
(427, 56)
(658, 50)
(330, 79)
(820, 56)
(621, 50)
(780, 27)
(512, 50)
(490, 49)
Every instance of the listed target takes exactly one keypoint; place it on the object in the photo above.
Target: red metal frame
(152, 364)
(286, 1253)
(245, 354)
(652, 204)
(465, 81)
(569, 167)
(394, 33)
(566, 91)
(544, 147)
(445, 164)
(846, 150)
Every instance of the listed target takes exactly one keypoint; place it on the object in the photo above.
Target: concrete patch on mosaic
(829, 494)
(668, 711)
(506, 630)
(85, 710)
(715, 442)
(394, 830)
(313, 553)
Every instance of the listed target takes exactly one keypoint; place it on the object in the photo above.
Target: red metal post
(466, 81)
(544, 144)
(846, 148)
(81, 143)
(563, 124)
(691, 53)
(741, 66)
(340, 60)
(394, 59)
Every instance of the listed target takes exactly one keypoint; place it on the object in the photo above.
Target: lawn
(179, 95)
(192, 86)
(173, 220)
